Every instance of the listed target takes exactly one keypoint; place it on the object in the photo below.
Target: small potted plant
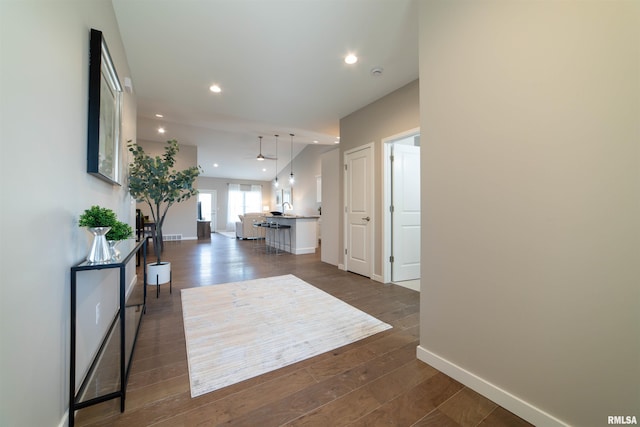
(98, 221)
(119, 231)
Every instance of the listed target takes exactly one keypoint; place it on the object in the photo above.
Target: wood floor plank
(411, 405)
(396, 339)
(467, 408)
(500, 417)
(340, 362)
(139, 379)
(436, 419)
(340, 412)
(328, 390)
(296, 405)
(158, 391)
(179, 354)
(400, 381)
(243, 402)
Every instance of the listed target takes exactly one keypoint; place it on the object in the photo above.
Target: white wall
(44, 188)
(530, 117)
(306, 167)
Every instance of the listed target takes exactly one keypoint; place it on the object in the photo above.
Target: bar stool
(278, 231)
(263, 229)
(256, 234)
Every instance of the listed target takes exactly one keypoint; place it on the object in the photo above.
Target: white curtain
(254, 199)
(242, 199)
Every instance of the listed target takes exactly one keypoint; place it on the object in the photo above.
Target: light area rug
(236, 331)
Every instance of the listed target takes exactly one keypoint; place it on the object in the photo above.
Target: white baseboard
(65, 419)
(377, 278)
(303, 251)
(414, 285)
(524, 410)
(341, 267)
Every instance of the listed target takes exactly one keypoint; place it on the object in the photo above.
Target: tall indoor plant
(154, 181)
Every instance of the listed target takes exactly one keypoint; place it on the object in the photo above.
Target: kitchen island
(304, 233)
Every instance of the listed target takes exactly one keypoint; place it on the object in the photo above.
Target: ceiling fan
(260, 157)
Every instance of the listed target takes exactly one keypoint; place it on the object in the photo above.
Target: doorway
(208, 207)
(359, 202)
(401, 164)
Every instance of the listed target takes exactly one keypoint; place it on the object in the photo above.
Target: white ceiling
(280, 64)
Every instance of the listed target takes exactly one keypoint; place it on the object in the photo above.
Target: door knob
(366, 218)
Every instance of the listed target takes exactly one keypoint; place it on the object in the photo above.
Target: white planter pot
(157, 274)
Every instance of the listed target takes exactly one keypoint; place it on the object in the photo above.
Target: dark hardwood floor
(373, 382)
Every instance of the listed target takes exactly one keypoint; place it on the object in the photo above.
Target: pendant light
(260, 156)
(275, 181)
(291, 180)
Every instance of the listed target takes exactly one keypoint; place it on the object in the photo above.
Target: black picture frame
(105, 112)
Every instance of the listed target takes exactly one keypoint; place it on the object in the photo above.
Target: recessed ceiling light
(336, 142)
(215, 165)
(315, 141)
(158, 115)
(215, 89)
(264, 169)
(350, 59)
(161, 130)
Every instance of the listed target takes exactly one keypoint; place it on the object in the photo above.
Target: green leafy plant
(120, 231)
(96, 216)
(154, 181)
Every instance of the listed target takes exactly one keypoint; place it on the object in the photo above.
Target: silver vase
(100, 251)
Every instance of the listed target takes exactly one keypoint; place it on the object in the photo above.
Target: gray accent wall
(331, 203)
(531, 203)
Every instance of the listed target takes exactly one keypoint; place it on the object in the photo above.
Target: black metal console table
(107, 381)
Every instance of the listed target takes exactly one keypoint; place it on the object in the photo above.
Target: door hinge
(345, 251)
(345, 166)
(392, 158)
(391, 259)
(391, 209)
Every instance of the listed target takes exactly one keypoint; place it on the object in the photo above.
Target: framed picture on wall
(105, 112)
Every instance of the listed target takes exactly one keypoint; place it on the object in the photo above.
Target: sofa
(245, 228)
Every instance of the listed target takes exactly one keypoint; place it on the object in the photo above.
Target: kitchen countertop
(293, 216)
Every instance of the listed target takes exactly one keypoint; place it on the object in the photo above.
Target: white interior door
(359, 210)
(405, 182)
